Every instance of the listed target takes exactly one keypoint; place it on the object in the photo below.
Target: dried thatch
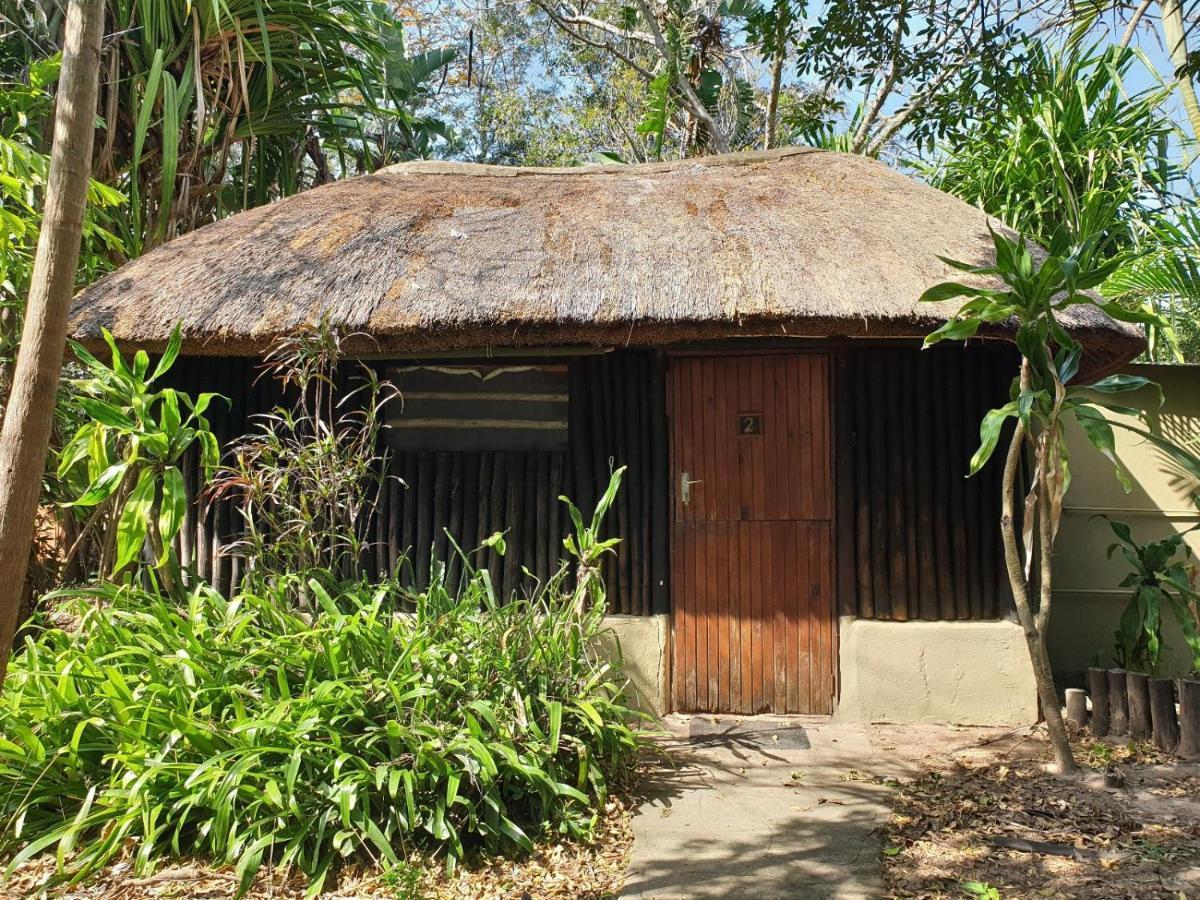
(442, 256)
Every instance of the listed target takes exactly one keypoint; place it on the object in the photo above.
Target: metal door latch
(685, 487)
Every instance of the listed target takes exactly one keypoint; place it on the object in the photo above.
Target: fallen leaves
(999, 820)
(554, 871)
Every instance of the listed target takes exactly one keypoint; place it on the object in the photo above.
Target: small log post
(1163, 721)
(1137, 688)
(1189, 718)
(1098, 688)
(1118, 702)
(1077, 707)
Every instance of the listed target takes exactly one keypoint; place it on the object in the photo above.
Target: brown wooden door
(752, 549)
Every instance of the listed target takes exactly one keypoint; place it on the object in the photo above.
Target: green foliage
(123, 464)
(1035, 292)
(1071, 152)
(1161, 578)
(24, 121)
(210, 108)
(252, 733)
(1069, 134)
(306, 480)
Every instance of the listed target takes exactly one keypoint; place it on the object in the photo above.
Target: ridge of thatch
(430, 256)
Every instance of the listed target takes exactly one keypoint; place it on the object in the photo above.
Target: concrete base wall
(960, 673)
(643, 647)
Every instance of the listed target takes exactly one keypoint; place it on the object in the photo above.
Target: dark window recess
(479, 408)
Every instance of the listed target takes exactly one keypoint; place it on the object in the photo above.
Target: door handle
(685, 487)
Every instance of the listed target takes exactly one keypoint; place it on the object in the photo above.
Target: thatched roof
(439, 256)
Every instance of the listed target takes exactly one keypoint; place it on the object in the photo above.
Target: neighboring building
(1088, 599)
(742, 332)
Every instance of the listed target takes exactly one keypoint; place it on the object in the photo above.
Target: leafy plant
(1032, 292)
(255, 734)
(24, 109)
(123, 463)
(1161, 578)
(307, 479)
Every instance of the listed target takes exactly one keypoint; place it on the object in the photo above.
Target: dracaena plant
(1161, 578)
(123, 465)
(1032, 292)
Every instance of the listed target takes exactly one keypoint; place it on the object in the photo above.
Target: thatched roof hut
(741, 333)
(438, 256)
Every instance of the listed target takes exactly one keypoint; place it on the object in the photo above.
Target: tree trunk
(1137, 687)
(773, 99)
(1035, 639)
(1163, 721)
(29, 417)
(1175, 39)
(1098, 688)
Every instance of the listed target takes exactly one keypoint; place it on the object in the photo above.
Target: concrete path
(748, 811)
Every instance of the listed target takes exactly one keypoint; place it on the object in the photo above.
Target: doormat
(758, 732)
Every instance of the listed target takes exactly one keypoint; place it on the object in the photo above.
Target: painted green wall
(1087, 601)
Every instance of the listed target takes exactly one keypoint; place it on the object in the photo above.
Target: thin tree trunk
(773, 99)
(1175, 38)
(28, 420)
(1035, 638)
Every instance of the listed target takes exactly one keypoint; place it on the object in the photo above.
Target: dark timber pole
(1189, 717)
(1118, 702)
(1098, 689)
(1163, 721)
(1138, 689)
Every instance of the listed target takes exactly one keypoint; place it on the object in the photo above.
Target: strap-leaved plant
(1043, 398)
(124, 462)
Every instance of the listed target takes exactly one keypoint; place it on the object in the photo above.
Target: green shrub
(249, 732)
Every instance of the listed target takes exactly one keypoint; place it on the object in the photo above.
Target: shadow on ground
(738, 811)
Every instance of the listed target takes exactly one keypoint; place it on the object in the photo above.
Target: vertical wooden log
(408, 533)
(441, 506)
(893, 452)
(424, 538)
(864, 567)
(458, 502)
(394, 490)
(529, 485)
(496, 512)
(579, 449)
(660, 564)
(924, 422)
(542, 512)
(969, 377)
(1164, 722)
(957, 513)
(1189, 718)
(483, 514)
(944, 473)
(1077, 707)
(843, 444)
(911, 501)
(1137, 688)
(1098, 689)
(877, 497)
(513, 520)
(1118, 702)
(645, 480)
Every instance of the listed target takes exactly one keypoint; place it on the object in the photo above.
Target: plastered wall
(1087, 600)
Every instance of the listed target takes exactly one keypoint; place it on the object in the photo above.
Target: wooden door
(752, 550)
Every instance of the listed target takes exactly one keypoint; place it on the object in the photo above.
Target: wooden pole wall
(923, 538)
(617, 416)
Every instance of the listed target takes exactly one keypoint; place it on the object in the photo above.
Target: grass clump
(251, 731)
